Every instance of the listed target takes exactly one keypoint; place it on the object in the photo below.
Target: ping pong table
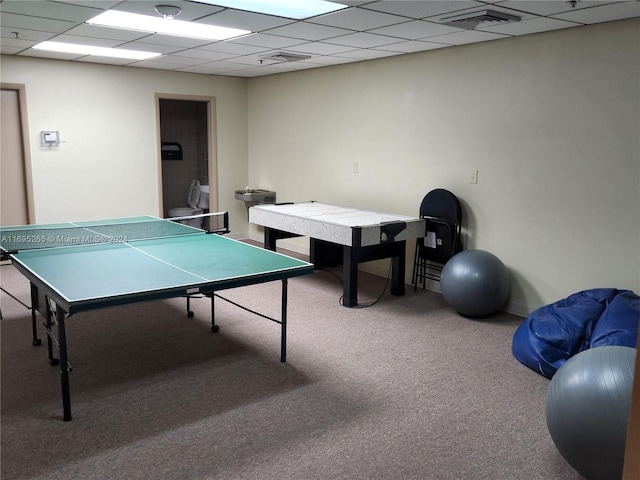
(342, 235)
(90, 265)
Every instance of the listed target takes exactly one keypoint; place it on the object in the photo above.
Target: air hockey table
(342, 235)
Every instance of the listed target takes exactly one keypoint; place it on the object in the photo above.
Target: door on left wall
(13, 176)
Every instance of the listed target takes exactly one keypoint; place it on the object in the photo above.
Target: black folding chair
(443, 236)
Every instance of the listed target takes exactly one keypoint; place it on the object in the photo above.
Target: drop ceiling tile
(319, 48)
(413, 30)
(170, 40)
(308, 31)
(24, 34)
(175, 60)
(363, 40)
(433, 29)
(546, 8)
(233, 48)
(420, 9)
(51, 10)
(207, 55)
(466, 36)
(254, 61)
(150, 47)
(206, 69)
(104, 60)
(254, 22)
(533, 25)
(366, 54)
(156, 65)
(357, 19)
(251, 61)
(34, 23)
(183, 61)
(16, 45)
(330, 60)
(9, 49)
(411, 46)
(85, 30)
(102, 4)
(214, 68)
(94, 42)
(604, 13)
(268, 41)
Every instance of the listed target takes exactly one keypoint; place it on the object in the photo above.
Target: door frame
(26, 148)
(212, 142)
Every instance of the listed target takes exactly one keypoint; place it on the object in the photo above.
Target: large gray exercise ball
(475, 283)
(587, 408)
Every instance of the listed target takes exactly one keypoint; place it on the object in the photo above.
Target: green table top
(95, 275)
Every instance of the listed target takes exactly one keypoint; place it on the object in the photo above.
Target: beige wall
(108, 163)
(550, 121)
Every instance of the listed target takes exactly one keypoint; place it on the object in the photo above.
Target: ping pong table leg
(189, 311)
(214, 328)
(64, 370)
(49, 325)
(283, 323)
(34, 306)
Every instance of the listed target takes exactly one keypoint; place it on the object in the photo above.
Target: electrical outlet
(355, 167)
(474, 176)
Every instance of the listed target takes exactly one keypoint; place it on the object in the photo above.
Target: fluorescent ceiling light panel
(78, 49)
(178, 28)
(297, 9)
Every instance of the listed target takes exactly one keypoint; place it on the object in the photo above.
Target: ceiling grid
(363, 30)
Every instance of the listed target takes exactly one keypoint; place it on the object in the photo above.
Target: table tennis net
(15, 239)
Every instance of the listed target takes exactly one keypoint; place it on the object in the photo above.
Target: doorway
(16, 193)
(187, 151)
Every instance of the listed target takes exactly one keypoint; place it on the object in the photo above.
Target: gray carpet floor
(404, 389)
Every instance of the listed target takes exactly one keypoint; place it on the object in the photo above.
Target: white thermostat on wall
(50, 138)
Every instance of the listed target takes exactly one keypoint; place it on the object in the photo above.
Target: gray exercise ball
(587, 409)
(475, 283)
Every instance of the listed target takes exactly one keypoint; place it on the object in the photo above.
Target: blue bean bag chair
(618, 324)
(552, 334)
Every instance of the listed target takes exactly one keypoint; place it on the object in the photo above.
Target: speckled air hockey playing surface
(333, 223)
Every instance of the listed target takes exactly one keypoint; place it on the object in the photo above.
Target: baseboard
(378, 267)
(239, 236)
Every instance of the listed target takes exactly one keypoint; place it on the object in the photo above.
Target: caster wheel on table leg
(215, 328)
(190, 314)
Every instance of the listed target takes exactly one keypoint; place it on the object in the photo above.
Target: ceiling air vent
(284, 57)
(482, 18)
